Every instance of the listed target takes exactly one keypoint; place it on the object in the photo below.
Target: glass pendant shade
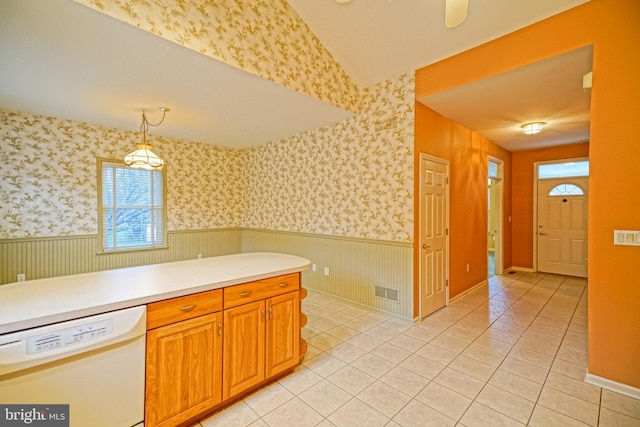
(143, 158)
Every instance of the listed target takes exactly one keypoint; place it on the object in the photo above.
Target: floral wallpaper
(48, 177)
(353, 178)
(264, 37)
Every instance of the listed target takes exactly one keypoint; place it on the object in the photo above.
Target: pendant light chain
(143, 157)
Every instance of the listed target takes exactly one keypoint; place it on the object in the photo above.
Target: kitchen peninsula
(216, 328)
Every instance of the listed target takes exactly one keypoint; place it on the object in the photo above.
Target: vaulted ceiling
(63, 59)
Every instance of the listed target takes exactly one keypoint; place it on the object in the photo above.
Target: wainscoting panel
(356, 266)
(39, 258)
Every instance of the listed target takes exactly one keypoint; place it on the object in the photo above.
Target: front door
(562, 226)
(433, 235)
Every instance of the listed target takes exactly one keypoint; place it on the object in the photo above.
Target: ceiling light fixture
(143, 157)
(455, 12)
(532, 128)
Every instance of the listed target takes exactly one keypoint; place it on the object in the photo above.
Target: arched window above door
(566, 190)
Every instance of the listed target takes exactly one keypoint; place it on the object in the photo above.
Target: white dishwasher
(94, 364)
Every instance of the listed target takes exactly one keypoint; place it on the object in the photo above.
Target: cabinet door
(283, 334)
(243, 348)
(184, 370)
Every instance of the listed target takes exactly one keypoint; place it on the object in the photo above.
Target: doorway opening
(494, 215)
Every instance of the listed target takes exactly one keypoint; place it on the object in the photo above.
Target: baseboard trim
(358, 304)
(522, 269)
(467, 292)
(614, 386)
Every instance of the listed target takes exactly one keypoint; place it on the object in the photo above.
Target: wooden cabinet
(244, 346)
(184, 359)
(282, 333)
(261, 337)
(206, 349)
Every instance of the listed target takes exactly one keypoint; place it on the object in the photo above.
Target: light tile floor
(512, 353)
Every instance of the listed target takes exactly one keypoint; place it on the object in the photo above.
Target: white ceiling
(62, 59)
(65, 60)
(374, 40)
(549, 91)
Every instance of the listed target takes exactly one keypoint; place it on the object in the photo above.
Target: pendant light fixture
(143, 157)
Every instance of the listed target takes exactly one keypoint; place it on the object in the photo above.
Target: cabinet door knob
(187, 308)
(283, 285)
(219, 329)
(245, 294)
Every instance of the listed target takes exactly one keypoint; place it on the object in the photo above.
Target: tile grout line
(556, 354)
(512, 346)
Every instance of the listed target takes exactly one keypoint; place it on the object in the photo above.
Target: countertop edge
(98, 308)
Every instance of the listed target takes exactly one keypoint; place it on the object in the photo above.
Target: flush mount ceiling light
(532, 128)
(143, 157)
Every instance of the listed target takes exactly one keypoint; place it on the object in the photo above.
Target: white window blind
(132, 208)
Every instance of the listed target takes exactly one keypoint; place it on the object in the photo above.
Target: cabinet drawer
(182, 308)
(260, 289)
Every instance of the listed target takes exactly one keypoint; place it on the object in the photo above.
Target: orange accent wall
(467, 154)
(613, 28)
(522, 197)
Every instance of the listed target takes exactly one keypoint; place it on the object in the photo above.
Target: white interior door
(562, 226)
(433, 235)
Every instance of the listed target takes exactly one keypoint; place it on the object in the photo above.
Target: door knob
(542, 234)
(425, 246)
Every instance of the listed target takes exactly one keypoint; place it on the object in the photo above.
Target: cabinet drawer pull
(245, 294)
(283, 285)
(219, 329)
(187, 308)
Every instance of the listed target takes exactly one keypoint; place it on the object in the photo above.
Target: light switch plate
(626, 237)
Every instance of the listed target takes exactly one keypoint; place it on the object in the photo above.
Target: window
(131, 207)
(562, 170)
(493, 169)
(566, 190)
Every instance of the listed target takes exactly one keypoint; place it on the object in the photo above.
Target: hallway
(512, 353)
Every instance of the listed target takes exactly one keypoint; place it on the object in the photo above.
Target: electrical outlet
(314, 267)
(326, 271)
(199, 256)
(21, 277)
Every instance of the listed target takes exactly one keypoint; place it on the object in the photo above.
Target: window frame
(100, 164)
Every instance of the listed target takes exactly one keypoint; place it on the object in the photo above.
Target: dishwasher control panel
(70, 336)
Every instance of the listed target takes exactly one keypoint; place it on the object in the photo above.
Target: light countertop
(44, 301)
